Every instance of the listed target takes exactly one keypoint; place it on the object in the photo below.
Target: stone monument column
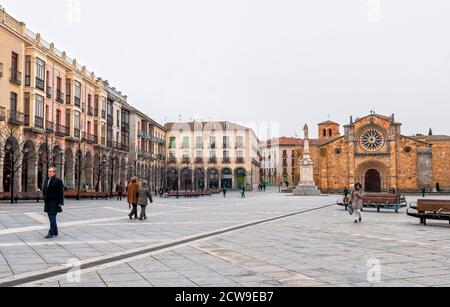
(306, 187)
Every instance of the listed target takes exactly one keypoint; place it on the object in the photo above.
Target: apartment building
(54, 112)
(148, 148)
(211, 155)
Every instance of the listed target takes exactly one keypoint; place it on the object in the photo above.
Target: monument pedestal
(307, 190)
(306, 187)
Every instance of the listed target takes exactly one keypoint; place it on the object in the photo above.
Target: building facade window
(68, 91)
(77, 94)
(103, 107)
(28, 70)
(27, 109)
(77, 123)
(186, 142)
(13, 102)
(240, 142)
(40, 74)
(39, 111)
(212, 141)
(173, 142)
(199, 142)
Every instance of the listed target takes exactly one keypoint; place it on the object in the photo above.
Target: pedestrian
(119, 191)
(243, 192)
(346, 192)
(144, 195)
(53, 192)
(132, 193)
(224, 190)
(264, 186)
(423, 192)
(357, 202)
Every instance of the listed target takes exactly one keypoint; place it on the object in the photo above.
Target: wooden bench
(188, 194)
(379, 201)
(430, 209)
(86, 195)
(25, 196)
(22, 196)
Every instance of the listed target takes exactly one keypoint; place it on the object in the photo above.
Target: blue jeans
(53, 225)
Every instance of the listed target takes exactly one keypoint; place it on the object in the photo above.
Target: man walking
(53, 192)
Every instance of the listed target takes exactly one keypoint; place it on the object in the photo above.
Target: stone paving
(322, 247)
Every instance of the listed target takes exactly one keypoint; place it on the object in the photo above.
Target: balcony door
(14, 63)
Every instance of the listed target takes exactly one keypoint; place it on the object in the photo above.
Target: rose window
(372, 140)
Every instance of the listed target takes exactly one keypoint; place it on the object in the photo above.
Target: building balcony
(90, 111)
(84, 136)
(141, 134)
(91, 138)
(49, 127)
(61, 130)
(213, 160)
(199, 160)
(125, 147)
(40, 84)
(110, 120)
(103, 114)
(226, 160)
(186, 160)
(77, 101)
(240, 160)
(96, 112)
(2, 114)
(172, 160)
(109, 143)
(49, 92)
(125, 126)
(103, 141)
(68, 99)
(59, 96)
(226, 145)
(141, 153)
(199, 146)
(212, 146)
(15, 118)
(239, 146)
(15, 77)
(26, 120)
(76, 133)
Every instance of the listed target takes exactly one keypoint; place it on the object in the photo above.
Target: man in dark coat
(53, 192)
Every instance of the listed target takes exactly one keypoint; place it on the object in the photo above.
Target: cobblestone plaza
(266, 240)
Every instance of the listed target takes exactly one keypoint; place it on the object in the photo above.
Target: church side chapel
(374, 152)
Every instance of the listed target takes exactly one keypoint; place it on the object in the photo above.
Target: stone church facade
(374, 152)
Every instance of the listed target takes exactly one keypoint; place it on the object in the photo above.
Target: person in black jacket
(53, 192)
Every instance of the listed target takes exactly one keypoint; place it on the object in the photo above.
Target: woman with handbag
(357, 203)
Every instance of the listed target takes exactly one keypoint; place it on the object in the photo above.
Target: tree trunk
(79, 182)
(12, 186)
(111, 181)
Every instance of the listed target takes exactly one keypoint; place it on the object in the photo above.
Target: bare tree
(80, 161)
(13, 153)
(113, 159)
(100, 171)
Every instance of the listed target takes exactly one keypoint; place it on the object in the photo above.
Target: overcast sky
(286, 62)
